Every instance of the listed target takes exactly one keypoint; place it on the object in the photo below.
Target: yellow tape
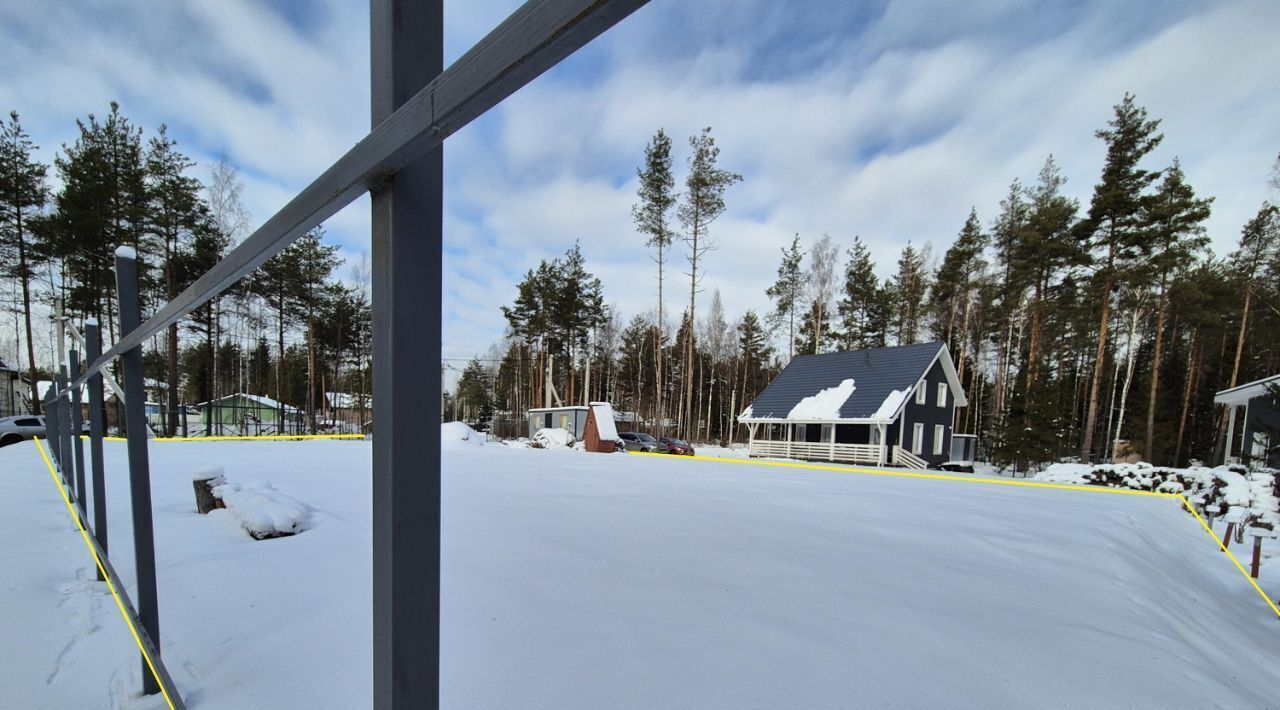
(92, 551)
(967, 479)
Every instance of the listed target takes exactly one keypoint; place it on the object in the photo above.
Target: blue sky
(887, 120)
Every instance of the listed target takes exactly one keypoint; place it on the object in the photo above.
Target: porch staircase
(904, 458)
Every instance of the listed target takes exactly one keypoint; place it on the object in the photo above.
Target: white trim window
(939, 432)
(917, 438)
(942, 394)
(920, 393)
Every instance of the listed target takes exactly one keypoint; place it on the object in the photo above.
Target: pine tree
(951, 298)
(703, 203)
(1175, 222)
(176, 213)
(787, 292)
(651, 216)
(1115, 227)
(102, 205)
(23, 193)
(859, 298)
(908, 291)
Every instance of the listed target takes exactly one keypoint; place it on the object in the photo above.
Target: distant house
(571, 419)
(1260, 439)
(250, 414)
(348, 412)
(11, 400)
(878, 406)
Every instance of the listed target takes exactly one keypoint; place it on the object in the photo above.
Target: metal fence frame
(416, 103)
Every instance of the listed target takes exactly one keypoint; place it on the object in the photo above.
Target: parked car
(676, 446)
(23, 427)
(639, 441)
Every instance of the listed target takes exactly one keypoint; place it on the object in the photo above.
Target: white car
(23, 427)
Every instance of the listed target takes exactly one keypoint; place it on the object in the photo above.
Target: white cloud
(888, 123)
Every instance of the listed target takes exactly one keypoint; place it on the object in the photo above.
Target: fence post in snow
(407, 51)
(77, 428)
(139, 468)
(93, 351)
(53, 431)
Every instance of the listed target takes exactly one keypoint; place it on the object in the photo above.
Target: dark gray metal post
(139, 469)
(77, 426)
(52, 417)
(407, 45)
(92, 350)
(64, 429)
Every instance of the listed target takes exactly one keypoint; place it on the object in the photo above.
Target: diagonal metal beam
(533, 39)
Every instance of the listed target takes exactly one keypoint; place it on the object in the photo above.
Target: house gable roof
(1241, 394)
(877, 374)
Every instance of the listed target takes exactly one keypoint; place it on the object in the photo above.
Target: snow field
(575, 580)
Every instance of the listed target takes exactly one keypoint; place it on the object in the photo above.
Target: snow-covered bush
(1225, 487)
(552, 439)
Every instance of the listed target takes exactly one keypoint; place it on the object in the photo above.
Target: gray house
(878, 406)
(11, 400)
(1260, 442)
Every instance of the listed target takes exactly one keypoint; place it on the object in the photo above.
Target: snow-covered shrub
(1225, 487)
(552, 439)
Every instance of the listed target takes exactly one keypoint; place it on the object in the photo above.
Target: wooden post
(203, 482)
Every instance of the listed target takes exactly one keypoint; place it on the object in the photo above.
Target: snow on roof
(42, 390)
(604, 421)
(879, 372)
(891, 404)
(825, 404)
(1241, 394)
(260, 399)
(347, 400)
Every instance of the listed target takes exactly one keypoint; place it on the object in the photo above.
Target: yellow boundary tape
(119, 604)
(966, 479)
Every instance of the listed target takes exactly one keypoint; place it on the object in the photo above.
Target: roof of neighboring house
(1241, 394)
(863, 385)
(346, 400)
(260, 399)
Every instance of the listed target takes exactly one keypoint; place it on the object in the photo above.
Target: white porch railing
(816, 451)
(902, 457)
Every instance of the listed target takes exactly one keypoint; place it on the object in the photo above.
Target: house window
(917, 439)
(938, 434)
(942, 394)
(920, 393)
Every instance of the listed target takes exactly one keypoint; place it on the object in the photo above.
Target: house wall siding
(1263, 417)
(929, 414)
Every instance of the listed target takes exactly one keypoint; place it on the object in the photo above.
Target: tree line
(291, 330)
(1078, 331)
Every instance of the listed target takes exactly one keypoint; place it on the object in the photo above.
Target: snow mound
(263, 511)
(891, 404)
(552, 439)
(459, 434)
(823, 405)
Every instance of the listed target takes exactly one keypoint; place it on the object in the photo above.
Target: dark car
(639, 441)
(676, 446)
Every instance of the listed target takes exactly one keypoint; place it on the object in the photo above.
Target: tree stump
(204, 481)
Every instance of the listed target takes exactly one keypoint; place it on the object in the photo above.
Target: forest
(290, 331)
(1080, 331)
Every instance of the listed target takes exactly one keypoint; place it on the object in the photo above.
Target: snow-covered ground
(574, 580)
